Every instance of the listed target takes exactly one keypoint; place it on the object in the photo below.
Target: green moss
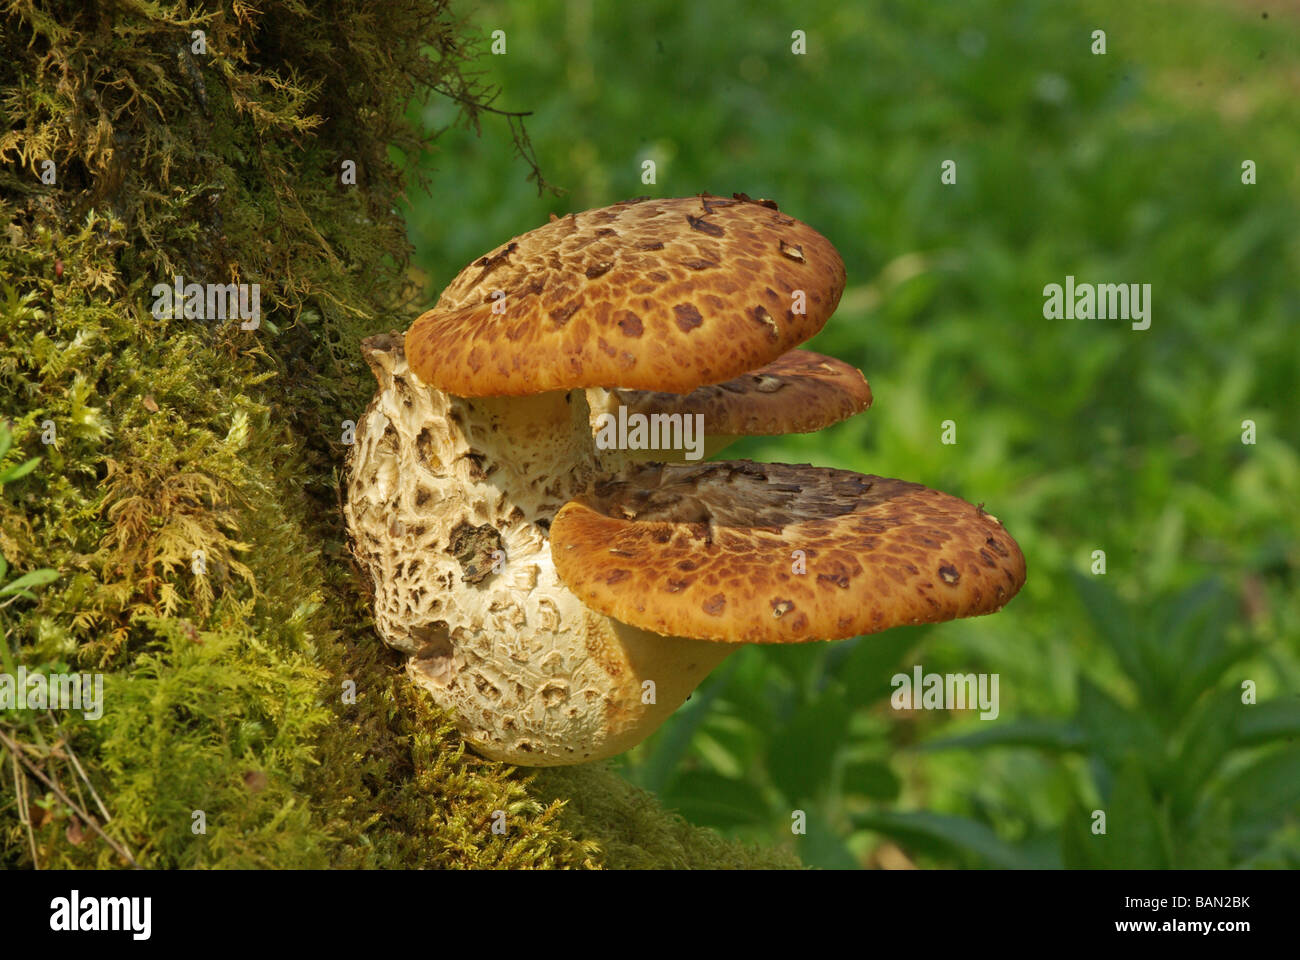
(190, 501)
(634, 830)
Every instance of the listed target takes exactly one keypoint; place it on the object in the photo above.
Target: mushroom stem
(614, 461)
(538, 448)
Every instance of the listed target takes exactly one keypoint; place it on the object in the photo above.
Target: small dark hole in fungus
(476, 470)
(434, 653)
(424, 449)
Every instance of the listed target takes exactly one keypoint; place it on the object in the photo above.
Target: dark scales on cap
(664, 294)
(708, 549)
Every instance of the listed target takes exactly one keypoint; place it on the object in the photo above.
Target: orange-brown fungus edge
(652, 295)
(713, 551)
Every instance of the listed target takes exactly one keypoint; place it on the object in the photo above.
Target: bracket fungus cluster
(562, 599)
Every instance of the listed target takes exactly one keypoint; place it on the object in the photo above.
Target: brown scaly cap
(798, 392)
(708, 551)
(650, 295)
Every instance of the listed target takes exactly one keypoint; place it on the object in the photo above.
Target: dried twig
(85, 817)
(20, 798)
(518, 132)
(82, 773)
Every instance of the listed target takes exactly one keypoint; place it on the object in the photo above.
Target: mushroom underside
(770, 553)
(798, 392)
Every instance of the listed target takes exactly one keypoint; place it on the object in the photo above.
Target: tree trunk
(190, 451)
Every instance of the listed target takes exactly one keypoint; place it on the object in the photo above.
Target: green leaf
(1136, 833)
(1190, 642)
(671, 748)
(803, 751)
(1135, 824)
(823, 848)
(1207, 738)
(1114, 732)
(1263, 795)
(753, 682)
(1081, 849)
(20, 470)
(1114, 623)
(870, 778)
(34, 578)
(935, 830)
(1263, 722)
(1042, 732)
(710, 799)
(1205, 842)
(866, 668)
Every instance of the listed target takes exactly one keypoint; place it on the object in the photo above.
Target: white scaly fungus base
(448, 504)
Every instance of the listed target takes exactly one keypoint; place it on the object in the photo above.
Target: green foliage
(778, 731)
(189, 493)
(1079, 435)
(1189, 773)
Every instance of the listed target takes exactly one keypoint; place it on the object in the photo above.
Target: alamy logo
(1104, 301)
(946, 691)
(208, 301)
(657, 431)
(74, 913)
(55, 691)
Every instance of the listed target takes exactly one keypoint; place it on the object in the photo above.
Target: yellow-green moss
(224, 689)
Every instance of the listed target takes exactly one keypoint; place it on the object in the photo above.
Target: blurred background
(1120, 691)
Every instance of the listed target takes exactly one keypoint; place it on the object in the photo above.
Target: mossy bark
(189, 497)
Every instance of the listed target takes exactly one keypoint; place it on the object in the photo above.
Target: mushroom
(562, 600)
(735, 551)
(798, 392)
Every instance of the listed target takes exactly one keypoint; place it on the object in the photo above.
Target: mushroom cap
(798, 392)
(708, 551)
(652, 295)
